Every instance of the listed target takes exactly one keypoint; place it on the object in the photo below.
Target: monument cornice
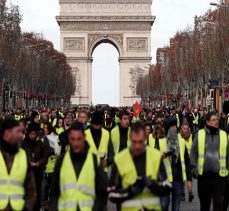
(105, 1)
(128, 59)
(71, 59)
(150, 19)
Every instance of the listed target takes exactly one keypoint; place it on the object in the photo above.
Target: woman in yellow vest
(51, 140)
(157, 140)
(134, 180)
(180, 162)
(186, 136)
(59, 127)
(79, 182)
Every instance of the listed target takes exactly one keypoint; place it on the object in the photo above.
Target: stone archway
(126, 24)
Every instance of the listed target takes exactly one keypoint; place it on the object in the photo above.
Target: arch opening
(105, 73)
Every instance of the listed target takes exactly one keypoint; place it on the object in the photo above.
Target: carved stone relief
(76, 44)
(135, 73)
(76, 73)
(107, 26)
(137, 44)
(93, 37)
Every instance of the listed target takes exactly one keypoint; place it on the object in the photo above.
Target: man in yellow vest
(79, 183)
(17, 185)
(121, 132)
(138, 177)
(84, 118)
(53, 117)
(99, 141)
(195, 121)
(209, 161)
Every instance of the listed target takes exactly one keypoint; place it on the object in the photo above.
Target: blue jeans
(165, 200)
(177, 189)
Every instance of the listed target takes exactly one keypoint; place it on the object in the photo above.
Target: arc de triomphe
(126, 24)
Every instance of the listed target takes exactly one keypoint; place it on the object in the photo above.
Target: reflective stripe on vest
(12, 184)
(141, 203)
(73, 205)
(128, 173)
(115, 138)
(178, 120)
(103, 146)
(77, 191)
(222, 152)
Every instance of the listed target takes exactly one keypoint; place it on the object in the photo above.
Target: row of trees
(31, 64)
(196, 61)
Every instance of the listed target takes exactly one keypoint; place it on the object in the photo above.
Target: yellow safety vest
(12, 184)
(104, 143)
(163, 148)
(54, 122)
(196, 119)
(128, 173)
(17, 117)
(77, 191)
(188, 142)
(117, 120)
(182, 148)
(223, 172)
(115, 138)
(59, 130)
(50, 166)
(178, 121)
(61, 114)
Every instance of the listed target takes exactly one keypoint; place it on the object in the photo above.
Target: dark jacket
(78, 162)
(36, 152)
(8, 153)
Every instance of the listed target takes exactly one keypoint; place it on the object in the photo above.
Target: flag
(137, 108)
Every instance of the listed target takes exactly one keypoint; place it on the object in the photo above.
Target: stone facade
(126, 24)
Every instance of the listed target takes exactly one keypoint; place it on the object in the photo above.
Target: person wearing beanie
(38, 156)
(99, 141)
(35, 117)
(78, 167)
(13, 159)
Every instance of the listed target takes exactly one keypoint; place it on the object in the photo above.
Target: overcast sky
(171, 15)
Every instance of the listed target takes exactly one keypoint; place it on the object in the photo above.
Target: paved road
(194, 206)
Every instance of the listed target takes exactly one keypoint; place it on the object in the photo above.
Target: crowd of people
(78, 159)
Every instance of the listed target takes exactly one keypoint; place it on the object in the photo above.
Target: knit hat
(34, 114)
(7, 124)
(97, 118)
(171, 121)
(33, 126)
